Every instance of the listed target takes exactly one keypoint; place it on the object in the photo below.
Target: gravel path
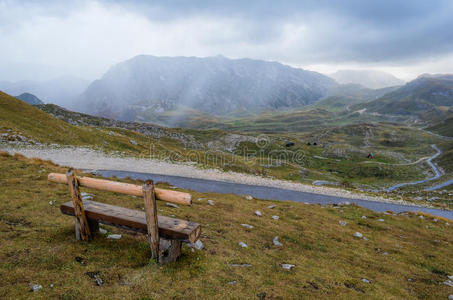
(83, 158)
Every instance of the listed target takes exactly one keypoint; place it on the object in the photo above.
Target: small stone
(275, 217)
(233, 282)
(243, 245)
(287, 266)
(247, 226)
(241, 265)
(342, 223)
(171, 205)
(99, 281)
(446, 223)
(271, 206)
(364, 217)
(450, 277)
(381, 220)
(421, 217)
(102, 230)
(114, 236)
(365, 280)
(344, 203)
(248, 197)
(358, 234)
(385, 253)
(276, 242)
(51, 202)
(258, 213)
(450, 297)
(448, 282)
(51, 285)
(365, 238)
(111, 133)
(199, 199)
(197, 245)
(35, 287)
(133, 142)
(210, 202)
(435, 220)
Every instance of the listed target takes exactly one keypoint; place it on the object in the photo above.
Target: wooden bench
(165, 234)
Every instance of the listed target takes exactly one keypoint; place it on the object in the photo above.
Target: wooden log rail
(124, 188)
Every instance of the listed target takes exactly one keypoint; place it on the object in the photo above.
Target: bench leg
(94, 226)
(77, 230)
(169, 250)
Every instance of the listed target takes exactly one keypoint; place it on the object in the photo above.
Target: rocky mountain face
(147, 85)
(368, 78)
(429, 97)
(29, 98)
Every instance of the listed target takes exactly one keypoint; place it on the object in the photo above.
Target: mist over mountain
(147, 85)
(62, 90)
(368, 78)
(429, 97)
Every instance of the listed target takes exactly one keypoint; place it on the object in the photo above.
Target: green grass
(38, 247)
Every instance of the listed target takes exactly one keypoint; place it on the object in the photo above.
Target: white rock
(271, 206)
(381, 220)
(247, 226)
(102, 230)
(243, 245)
(276, 242)
(421, 217)
(364, 217)
(435, 220)
(248, 197)
(133, 142)
(342, 223)
(197, 245)
(36, 287)
(241, 265)
(84, 198)
(450, 277)
(446, 223)
(51, 285)
(199, 199)
(287, 266)
(275, 217)
(210, 202)
(365, 238)
(448, 282)
(258, 213)
(111, 133)
(450, 297)
(358, 234)
(233, 282)
(114, 236)
(365, 280)
(51, 202)
(171, 205)
(343, 203)
(385, 253)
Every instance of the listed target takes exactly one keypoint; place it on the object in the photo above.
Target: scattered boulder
(450, 277)
(276, 242)
(365, 280)
(450, 297)
(197, 245)
(243, 245)
(364, 217)
(233, 282)
(271, 206)
(421, 217)
(448, 282)
(381, 220)
(171, 205)
(97, 278)
(287, 266)
(344, 203)
(210, 202)
(275, 217)
(358, 235)
(114, 236)
(35, 287)
(342, 223)
(111, 133)
(248, 197)
(241, 265)
(247, 226)
(133, 142)
(258, 213)
(365, 238)
(102, 230)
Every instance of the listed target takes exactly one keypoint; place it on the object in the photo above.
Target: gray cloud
(85, 37)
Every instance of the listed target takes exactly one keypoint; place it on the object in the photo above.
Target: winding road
(263, 192)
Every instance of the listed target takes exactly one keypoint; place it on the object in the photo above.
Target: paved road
(262, 192)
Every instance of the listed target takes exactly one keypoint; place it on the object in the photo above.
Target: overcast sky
(43, 39)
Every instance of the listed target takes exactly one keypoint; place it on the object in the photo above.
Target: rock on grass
(258, 213)
(287, 266)
(358, 235)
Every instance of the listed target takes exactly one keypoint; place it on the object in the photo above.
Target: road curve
(263, 192)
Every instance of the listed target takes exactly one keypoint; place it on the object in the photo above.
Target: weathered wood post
(151, 218)
(82, 226)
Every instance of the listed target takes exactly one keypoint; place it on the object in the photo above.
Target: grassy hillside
(405, 257)
(445, 128)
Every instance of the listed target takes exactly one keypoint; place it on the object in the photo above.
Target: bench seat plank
(169, 228)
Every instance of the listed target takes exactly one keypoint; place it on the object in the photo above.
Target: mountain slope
(30, 99)
(149, 85)
(368, 78)
(429, 97)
